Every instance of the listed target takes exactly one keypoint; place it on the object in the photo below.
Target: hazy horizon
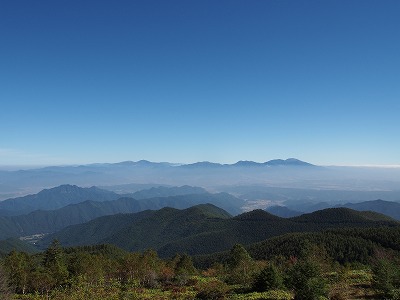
(34, 166)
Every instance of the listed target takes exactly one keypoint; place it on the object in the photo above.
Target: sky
(186, 81)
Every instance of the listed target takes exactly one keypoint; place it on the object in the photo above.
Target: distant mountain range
(388, 208)
(162, 191)
(283, 211)
(204, 228)
(146, 163)
(307, 200)
(23, 182)
(54, 198)
(290, 162)
(278, 173)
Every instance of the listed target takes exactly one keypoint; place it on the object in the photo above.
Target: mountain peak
(246, 163)
(250, 163)
(203, 164)
(342, 214)
(208, 210)
(287, 162)
(257, 215)
(55, 198)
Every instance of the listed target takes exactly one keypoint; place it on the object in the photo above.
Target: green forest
(344, 263)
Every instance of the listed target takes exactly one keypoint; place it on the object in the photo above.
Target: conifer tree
(240, 265)
(5, 292)
(269, 278)
(305, 279)
(18, 265)
(55, 264)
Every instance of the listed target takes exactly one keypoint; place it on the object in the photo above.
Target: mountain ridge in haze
(388, 208)
(283, 211)
(55, 198)
(290, 162)
(288, 173)
(206, 174)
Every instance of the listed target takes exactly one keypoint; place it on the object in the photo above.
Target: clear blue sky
(186, 81)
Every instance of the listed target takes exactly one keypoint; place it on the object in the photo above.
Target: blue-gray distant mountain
(247, 163)
(308, 200)
(54, 198)
(283, 211)
(143, 163)
(163, 191)
(279, 173)
(129, 188)
(288, 162)
(388, 208)
(202, 164)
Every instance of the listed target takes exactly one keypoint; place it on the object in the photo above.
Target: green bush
(212, 290)
(270, 295)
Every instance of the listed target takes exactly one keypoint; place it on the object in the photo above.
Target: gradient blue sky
(186, 81)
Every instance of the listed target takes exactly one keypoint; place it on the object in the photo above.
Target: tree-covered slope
(49, 221)
(6, 246)
(342, 215)
(205, 228)
(223, 200)
(259, 225)
(147, 229)
(344, 245)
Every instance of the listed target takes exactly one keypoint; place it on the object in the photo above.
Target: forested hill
(205, 228)
(6, 246)
(42, 221)
(143, 230)
(344, 245)
(341, 215)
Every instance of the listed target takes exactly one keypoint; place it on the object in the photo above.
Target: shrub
(212, 290)
(270, 295)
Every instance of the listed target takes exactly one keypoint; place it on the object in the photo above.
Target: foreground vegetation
(313, 270)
